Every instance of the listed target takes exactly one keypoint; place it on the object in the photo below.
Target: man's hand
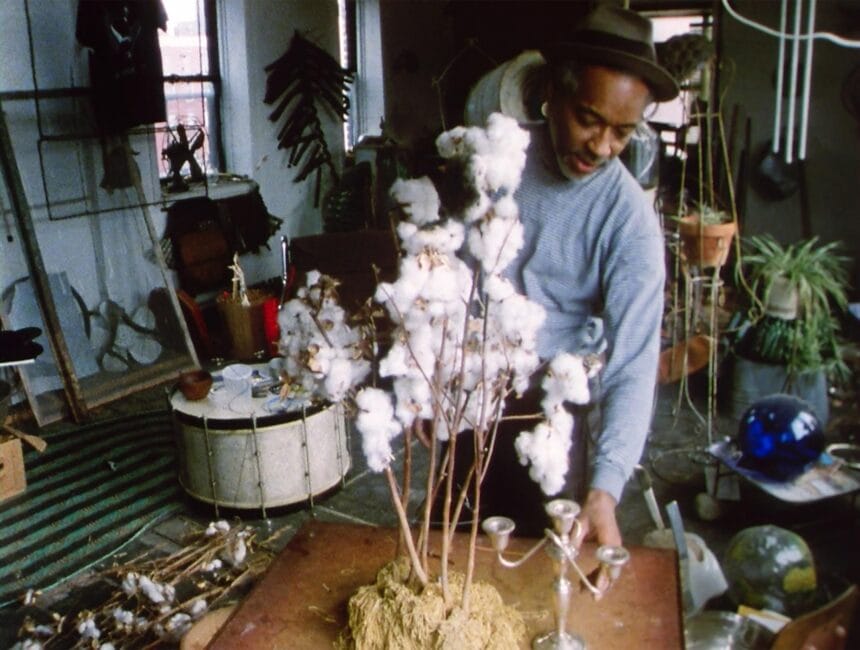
(597, 521)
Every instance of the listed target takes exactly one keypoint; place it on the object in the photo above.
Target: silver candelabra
(563, 552)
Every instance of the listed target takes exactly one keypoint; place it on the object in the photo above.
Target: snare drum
(261, 456)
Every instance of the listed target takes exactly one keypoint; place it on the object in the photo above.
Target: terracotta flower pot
(705, 245)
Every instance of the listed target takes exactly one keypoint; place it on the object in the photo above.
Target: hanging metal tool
(288, 272)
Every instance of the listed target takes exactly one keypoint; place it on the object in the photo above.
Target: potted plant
(706, 235)
(789, 338)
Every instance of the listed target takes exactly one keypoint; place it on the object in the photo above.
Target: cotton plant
(322, 355)
(463, 338)
(157, 600)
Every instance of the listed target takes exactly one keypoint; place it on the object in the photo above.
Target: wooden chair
(825, 628)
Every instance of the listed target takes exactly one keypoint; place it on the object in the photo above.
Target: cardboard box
(12, 478)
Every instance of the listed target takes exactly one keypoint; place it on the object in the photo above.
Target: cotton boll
(452, 143)
(519, 319)
(217, 527)
(503, 172)
(413, 399)
(442, 285)
(417, 198)
(177, 626)
(506, 137)
(565, 380)
(312, 277)
(504, 128)
(235, 550)
(506, 208)
(88, 629)
(27, 644)
(481, 409)
(423, 349)
(123, 616)
(198, 608)
(561, 422)
(406, 230)
(342, 376)
(496, 243)
(129, 584)
(498, 288)
(477, 142)
(375, 422)
(151, 590)
(442, 239)
(524, 362)
(546, 451)
(396, 362)
(462, 141)
(456, 232)
(418, 316)
(413, 276)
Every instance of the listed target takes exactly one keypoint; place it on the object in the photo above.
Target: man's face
(595, 124)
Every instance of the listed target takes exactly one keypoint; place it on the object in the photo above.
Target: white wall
(833, 156)
(82, 246)
(255, 33)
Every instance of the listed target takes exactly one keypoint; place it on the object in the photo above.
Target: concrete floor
(672, 458)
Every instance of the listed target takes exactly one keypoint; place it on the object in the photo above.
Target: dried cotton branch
(462, 340)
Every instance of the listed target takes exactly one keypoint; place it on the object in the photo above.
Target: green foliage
(819, 275)
(710, 216)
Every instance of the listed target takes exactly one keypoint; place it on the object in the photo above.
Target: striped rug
(89, 492)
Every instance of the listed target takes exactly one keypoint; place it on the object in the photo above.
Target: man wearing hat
(593, 257)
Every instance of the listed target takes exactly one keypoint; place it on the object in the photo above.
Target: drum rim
(244, 422)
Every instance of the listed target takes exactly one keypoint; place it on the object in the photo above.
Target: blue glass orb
(779, 436)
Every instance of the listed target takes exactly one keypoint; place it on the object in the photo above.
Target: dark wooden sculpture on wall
(306, 77)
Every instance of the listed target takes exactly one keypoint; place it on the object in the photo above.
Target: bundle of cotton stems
(157, 599)
(463, 340)
(323, 357)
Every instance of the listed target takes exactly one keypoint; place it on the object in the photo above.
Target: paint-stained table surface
(300, 602)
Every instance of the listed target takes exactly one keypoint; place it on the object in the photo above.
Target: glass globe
(779, 436)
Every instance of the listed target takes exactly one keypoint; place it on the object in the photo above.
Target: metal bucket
(715, 630)
(259, 462)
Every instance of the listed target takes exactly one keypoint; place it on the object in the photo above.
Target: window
(361, 52)
(192, 87)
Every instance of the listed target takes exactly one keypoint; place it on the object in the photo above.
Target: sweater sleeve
(633, 282)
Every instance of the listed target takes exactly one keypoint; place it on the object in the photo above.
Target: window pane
(191, 105)
(184, 51)
(184, 45)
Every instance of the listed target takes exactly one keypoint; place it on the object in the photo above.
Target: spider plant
(818, 276)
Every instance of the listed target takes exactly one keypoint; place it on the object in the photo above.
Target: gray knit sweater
(593, 247)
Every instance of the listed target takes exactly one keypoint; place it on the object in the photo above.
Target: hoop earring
(544, 109)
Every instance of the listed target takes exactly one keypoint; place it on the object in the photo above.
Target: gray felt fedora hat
(618, 38)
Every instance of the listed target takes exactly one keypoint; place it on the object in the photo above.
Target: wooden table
(301, 600)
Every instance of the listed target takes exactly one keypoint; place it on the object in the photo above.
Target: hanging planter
(706, 242)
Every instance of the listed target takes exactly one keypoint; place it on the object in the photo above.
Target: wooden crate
(12, 478)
